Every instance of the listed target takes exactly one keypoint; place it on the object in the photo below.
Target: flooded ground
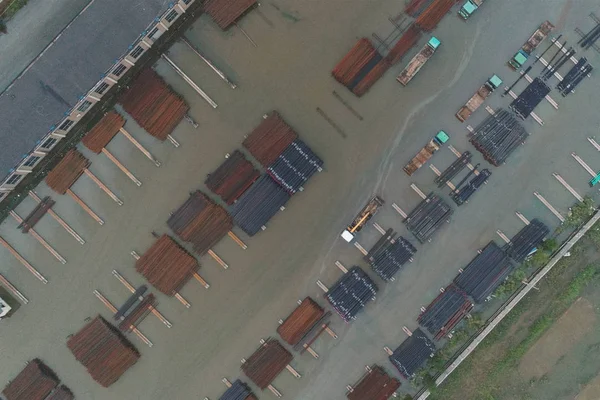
(298, 44)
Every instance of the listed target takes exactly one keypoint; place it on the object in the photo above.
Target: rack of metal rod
(351, 293)
(526, 240)
(389, 255)
(574, 77)
(454, 169)
(445, 311)
(428, 217)
(412, 353)
(461, 195)
(530, 98)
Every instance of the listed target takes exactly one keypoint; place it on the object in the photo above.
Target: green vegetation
(13, 7)
(580, 212)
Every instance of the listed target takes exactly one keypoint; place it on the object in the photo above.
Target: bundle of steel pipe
(238, 391)
(351, 293)
(259, 204)
(103, 132)
(201, 222)
(153, 105)
(300, 321)
(371, 77)
(570, 87)
(295, 166)
(313, 333)
(574, 77)
(445, 311)
(103, 350)
(376, 384)
(462, 194)
(590, 38)
(355, 61)
(407, 41)
(526, 240)
(428, 217)
(166, 265)
(498, 136)
(226, 12)
(269, 139)
(484, 273)
(414, 8)
(36, 214)
(529, 99)
(67, 171)
(432, 16)
(61, 393)
(412, 353)
(136, 314)
(560, 61)
(389, 254)
(34, 382)
(267, 363)
(232, 178)
(454, 169)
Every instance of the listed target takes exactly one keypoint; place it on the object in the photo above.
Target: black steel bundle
(295, 166)
(389, 254)
(562, 59)
(462, 194)
(574, 77)
(484, 273)
(412, 353)
(351, 293)
(589, 39)
(454, 169)
(529, 99)
(526, 240)
(259, 204)
(427, 217)
(498, 136)
(447, 310)
(238, 391)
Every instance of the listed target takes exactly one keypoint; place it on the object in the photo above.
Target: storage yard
(286, 185)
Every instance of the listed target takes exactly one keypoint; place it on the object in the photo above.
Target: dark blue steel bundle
(238, 391)
(526, 240)
(529, 99)
(427, 217)
(351, 293)
(574, 77)
(484, 273)
(412, 354)
(258, 205)
(389, 254)
(461, 195)
(447, 310)
(295, 166)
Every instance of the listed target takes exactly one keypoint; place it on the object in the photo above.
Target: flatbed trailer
(530, 45)
(415, 65)
(478, 98)
(426, 152)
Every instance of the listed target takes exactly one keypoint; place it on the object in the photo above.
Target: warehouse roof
(67, 71)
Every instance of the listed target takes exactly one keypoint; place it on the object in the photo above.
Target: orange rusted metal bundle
(232, 178)
(269, 139)
(415, 7)
(300, 321)
(103, 350)
(153, 105)
(376, 384)
(61, 393)
(226, 12)
(103, 132)
(407, 41)
(34, 382)
(266, 363)
(167, 266)
(429, 19)
(67, 171)
(201, 222)
(373, 76)
(351, 65)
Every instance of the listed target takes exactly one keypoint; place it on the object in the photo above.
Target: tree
(580, 212)
(3, 27)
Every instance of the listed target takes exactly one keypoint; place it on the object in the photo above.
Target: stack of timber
(463, 193)
(34, 382)
(447, 310)
(498, 136)
(61, 393)
(361, 58)
(526, 240)
(67, 171)
(428, 217)
(295, 166)
(103, 350)
(153, 105)
(232, 178)
(36, 214)
(300, 321)
(375, 385)
(407, 41)
(484, 273)
(454, 169)
(269, 139)
(432, 16)
(529, 99)
(201, 222)
(259, 204)
(167, 266)
(414, 8)
(238, 391)
(267, 363)
(574, 77)
(389, 254)
(132, 317)
(351, 293)
(226, 12)
(103, 132)
(412, 353)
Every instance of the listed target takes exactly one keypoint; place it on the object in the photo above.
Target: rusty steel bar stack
(351, 293)
(415, 7)
(300, 321)
(153, 105)
(167, 266)
(201, 222)
(266, 363)
(67, 171)
(61, 393)
(429, 19)
(295, 166)
(412, 353)
(232, 178)
(36, 214)
(269, 139)
(226, 12)
(527, 239)
(135, 315)
(34, 382)
(371, 77)
(238, 391)
(103, 132)
(389, 254)
(428, 217)
(445, 311)
(407, 41)
(103, 350)
(375, 385)
(361, 58)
